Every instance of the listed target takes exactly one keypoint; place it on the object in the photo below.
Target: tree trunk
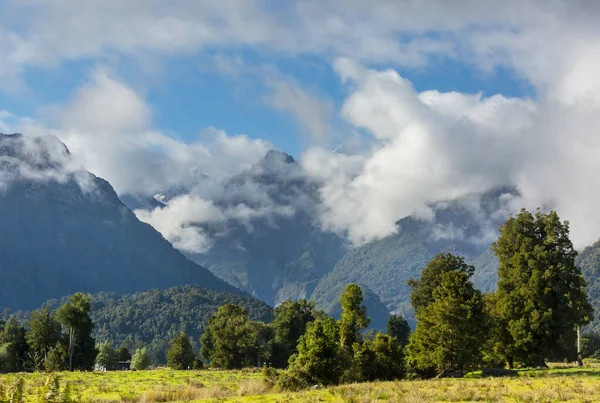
(579, 358)
(71, 347)
(510, 362)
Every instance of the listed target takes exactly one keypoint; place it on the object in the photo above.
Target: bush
(140, 359)
(292, 380)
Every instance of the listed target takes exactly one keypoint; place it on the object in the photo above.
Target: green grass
(559, 383)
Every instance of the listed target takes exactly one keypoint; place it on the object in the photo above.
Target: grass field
(553, 385)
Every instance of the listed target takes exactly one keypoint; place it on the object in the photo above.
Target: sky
(431, 100)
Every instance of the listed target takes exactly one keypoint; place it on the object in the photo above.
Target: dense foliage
(541, 296)
(180, 354)
(451, 322)
(52, 341)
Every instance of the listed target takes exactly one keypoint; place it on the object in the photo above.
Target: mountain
(152, 318)
(466, 227)
(65, 230)
(279, 251)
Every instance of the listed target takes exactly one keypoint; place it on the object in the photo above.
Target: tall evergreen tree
(44, 331)
(320, 359)
(180, 355)
(354, 316)
(75, 317)
(228, 339)
(289, 324)
(422, 289)
(541, 296)
(451, 326)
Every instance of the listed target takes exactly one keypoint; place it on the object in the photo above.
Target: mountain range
(66, 230)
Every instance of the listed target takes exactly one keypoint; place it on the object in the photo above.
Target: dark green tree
(541, 297)
(320, 358)
(398, 327)
(451, 327)
(354, 316)
(123, 354)
(75, 317)
(230, 339)
(291, 319)
(44, 332)
(180, 355)
(13, 347)
(107, 356)
(422, 289)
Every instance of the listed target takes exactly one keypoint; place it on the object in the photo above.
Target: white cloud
(179, 222)
(107, 127)
(434, 146)
(313, 113)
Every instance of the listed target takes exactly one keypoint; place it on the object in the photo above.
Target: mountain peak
(278, 157)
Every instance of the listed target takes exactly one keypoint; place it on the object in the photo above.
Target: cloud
(184, 219)
(312, 113)
(403, 33)
(434, 146)
(420, 148)
(179, 222)
(107, 126)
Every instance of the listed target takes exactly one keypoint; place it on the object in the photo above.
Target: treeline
(51, 341)
(534, 316)
(150, 319)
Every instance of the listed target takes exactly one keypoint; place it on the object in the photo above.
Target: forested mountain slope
(65, 230)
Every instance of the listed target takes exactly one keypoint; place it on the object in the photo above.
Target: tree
(422, 290)
(180, 355)
(43, 333)
(289, 324)
(451, 327)
(354, 316)
(75, 316)
(140, 359)
(107, 356)
(320, 359)
(541, 298)
(229, 339)
(398, 327)
(13, 347)
(123, 354)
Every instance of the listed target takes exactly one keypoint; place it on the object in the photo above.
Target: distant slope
(465, 227)
(273, 257)
(486, 271)
(589, 261)
(154, 317)
(65, 230)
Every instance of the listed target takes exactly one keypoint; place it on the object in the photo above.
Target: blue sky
(189, 96)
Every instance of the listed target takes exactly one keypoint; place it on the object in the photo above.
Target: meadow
(558, 384)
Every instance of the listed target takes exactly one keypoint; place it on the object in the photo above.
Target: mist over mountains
(289, 255)
(65, 230)
(258, 231)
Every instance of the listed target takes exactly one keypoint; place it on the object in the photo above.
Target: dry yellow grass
(558, 384)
